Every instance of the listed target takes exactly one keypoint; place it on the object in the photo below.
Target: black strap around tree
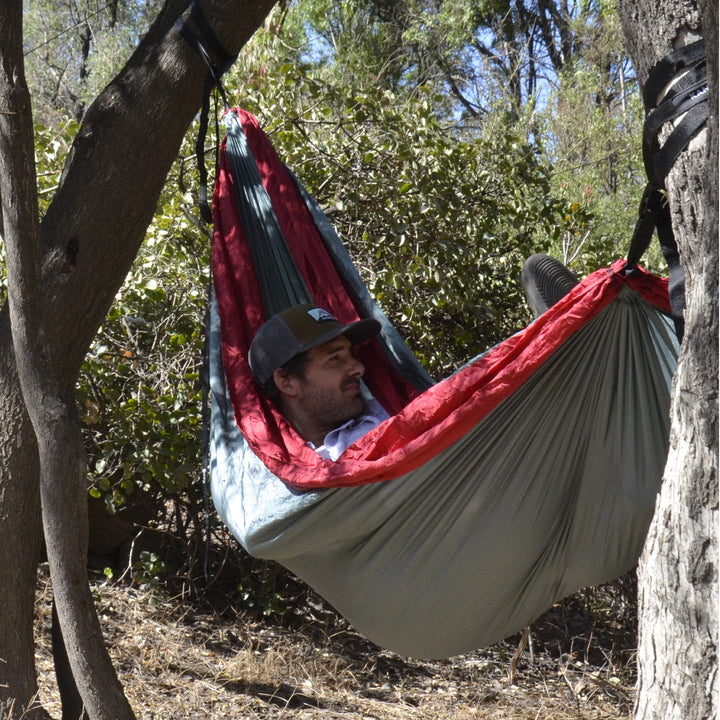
(688, 97)
(206, 44)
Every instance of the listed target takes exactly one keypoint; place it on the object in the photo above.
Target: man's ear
(286, 383)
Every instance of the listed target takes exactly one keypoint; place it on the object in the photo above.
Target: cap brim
(357, 332)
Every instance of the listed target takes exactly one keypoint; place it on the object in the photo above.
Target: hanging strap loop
(206, 45)
(651, 205)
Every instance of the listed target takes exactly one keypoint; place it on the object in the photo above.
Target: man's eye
(335, 358)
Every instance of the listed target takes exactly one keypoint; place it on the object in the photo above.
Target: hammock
(528, 474)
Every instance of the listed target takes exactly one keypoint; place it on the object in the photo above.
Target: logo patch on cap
(319, 315)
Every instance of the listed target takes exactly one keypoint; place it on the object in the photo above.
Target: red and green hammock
(526, 475)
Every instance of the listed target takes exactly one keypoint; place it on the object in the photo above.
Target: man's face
(329, 387)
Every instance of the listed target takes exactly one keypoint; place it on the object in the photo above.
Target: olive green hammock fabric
(448, 541)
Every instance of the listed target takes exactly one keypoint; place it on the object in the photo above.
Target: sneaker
(545, 281)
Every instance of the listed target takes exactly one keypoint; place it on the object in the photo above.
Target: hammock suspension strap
(686, 97)
(204, 41)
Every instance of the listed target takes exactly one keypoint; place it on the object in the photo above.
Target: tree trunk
(90, 235)
(49, 402)
(678, 572)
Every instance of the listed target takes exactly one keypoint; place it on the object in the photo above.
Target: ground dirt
(182, 658)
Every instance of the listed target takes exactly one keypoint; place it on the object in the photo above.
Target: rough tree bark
(678, 572)
(90, 235)
(51, 407)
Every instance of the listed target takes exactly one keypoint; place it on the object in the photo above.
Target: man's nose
(356, 368)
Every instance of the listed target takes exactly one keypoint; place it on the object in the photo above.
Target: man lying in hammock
(302, 358)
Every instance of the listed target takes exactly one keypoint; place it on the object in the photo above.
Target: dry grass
(179, 661)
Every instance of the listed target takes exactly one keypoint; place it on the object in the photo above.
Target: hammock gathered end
(528, 474)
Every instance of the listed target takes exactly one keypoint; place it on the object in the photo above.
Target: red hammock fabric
(422, 426)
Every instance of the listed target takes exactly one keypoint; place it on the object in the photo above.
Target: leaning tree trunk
(90, 235)
(50, 404)
(678, 572)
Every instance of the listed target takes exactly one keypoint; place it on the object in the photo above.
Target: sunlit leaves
(593, 131)
(74, 47)
(140, 386)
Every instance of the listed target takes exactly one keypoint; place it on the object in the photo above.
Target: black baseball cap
(297, 329)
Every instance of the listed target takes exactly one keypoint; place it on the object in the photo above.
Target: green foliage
(263, 589)
(472, 55)
(559, 77)
(148, 569)
(74, 47)
(139, 388)
(593, 130)
(52, 144)
(51, 147)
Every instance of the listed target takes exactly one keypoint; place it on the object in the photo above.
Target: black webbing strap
(651, 206)
(206, 44)
(209, 39)
(671, 65)
(688, 98)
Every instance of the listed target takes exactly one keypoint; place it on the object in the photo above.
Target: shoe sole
(545, 281)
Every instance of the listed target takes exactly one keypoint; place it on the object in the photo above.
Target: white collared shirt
(337, 440)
